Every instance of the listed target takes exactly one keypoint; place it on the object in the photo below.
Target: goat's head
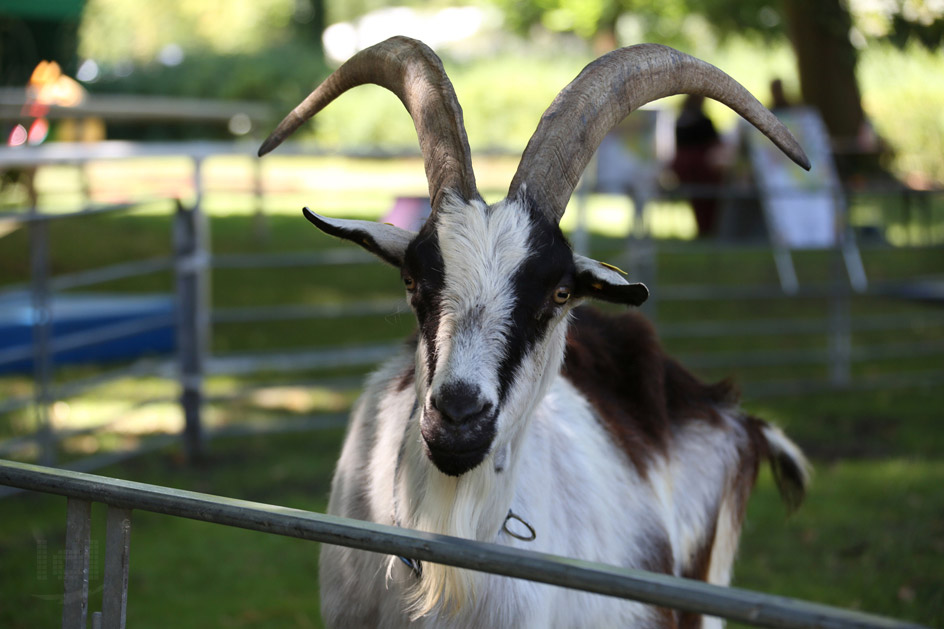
(491, 286)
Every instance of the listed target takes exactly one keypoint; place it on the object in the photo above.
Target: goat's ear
(599, 280)
(387, 242)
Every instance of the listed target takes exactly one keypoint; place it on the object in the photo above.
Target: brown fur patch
(640, 393)
(698, 567)
(660, 560)
(751, 454)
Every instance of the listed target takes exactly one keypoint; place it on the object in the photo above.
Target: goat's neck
(474, 505)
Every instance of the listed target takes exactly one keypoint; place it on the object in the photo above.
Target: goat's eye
(409, 283)
(561, 295)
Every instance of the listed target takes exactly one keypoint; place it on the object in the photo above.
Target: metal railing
(123, 497)
(192, 262)
(44, 346)
(190, 259)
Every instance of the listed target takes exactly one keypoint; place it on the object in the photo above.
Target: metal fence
(123, 497)
(192, 263)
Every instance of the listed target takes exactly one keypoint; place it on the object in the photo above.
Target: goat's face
(491, 287)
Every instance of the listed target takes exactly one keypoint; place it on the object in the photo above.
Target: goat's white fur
(559, 466)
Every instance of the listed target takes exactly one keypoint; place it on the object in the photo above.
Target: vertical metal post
(193, 319)
(581, 234)
(840, 334)
(76, 580)
(42, 324)
(117, 554)
(848, 273)
(641, 255)
(260, 227)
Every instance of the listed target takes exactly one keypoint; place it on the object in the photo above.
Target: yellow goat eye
(561, 295)
(409, 283)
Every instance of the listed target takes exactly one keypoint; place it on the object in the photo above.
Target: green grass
(870, 537)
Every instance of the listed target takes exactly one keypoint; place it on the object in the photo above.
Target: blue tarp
(74, 316)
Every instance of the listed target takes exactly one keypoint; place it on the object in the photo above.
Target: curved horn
(604, 93)
(413, 72)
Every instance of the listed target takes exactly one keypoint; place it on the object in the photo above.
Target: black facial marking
(550, 266)
(456, 448)
(424, 263)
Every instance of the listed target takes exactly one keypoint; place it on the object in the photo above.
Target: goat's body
(626, 460)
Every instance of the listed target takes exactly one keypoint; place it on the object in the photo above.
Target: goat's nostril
(459, 404)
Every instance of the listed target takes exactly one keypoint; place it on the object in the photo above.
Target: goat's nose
(459, 403)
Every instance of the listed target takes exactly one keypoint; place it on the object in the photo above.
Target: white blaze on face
(482, 250)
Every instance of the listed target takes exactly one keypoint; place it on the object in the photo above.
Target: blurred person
(697, 161)
(778, 97)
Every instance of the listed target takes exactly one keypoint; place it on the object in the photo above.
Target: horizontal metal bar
(754, 608)
(865, 353)
(805, 356)
(320, 311)
(743, 327)
(755, 358)
(247, 390)
(713, 292)
(898, 380)
(100, 275)
(330, 257)
(111, 273)
(40, 216)
(77, 153)
(354, 356)
(310, 423)
(799, 326)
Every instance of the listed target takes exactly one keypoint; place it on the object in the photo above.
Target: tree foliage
(897, 21)
(231, 49)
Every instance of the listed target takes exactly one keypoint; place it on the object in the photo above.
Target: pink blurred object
(408, 213)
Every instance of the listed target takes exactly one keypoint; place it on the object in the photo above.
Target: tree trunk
(826, 61)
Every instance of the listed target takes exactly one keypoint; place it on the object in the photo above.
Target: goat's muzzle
(458, 427)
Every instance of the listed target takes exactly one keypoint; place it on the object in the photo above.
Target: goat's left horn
(604, 93)
(413, 72)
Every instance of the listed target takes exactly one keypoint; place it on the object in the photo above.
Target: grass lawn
(870, 536)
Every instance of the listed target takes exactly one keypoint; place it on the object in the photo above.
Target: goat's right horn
(604, 93)
(413, 72)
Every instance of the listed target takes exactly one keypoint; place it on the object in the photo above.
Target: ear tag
(391, 224)
(597, 286)
(614, 268)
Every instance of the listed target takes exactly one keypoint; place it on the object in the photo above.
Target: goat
(513, 416)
